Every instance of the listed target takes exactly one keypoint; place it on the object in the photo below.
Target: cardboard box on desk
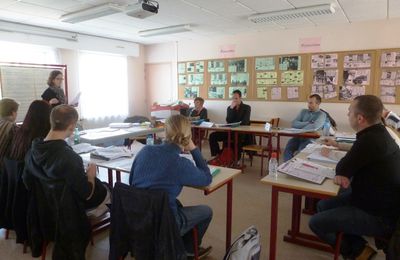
(162, 111)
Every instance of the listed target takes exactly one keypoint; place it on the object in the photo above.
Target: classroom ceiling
(208, 18)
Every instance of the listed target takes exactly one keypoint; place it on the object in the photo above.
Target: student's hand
(343, 181)
(54, 101)
(190, 147)
(325, 151)
(91, 171)
(330, 142)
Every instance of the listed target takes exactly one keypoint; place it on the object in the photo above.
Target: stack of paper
(83, 148)
(306, 170)
(345, 137)
(111, 153)
(120, 125)
(333, 157)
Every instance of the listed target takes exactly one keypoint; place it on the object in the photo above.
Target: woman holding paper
(54, 94)
(161, 167)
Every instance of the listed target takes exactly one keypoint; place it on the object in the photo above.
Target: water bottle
(273, 165)
(76, 136)
(149, 139)
(326, 128)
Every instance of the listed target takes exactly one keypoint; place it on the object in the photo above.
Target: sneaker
(203, 252)
(368, 253)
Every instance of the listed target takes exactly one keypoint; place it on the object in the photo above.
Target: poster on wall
(320, 61)
(262, 92)
(191, 92)
(276, 93)
(237, 65)
(216, 66)
(216, 92)
(200, 66)
(357, 60)
(349, 92)
(265, 63)
(239, 79)
(390, 59)
(388, 94)
(397, 82)
(325, 77)
(388, 78)
(329, 91)
(317, 89)
(195, 79)
(266, 81)
(182, 79)
(190, 67)
(356, 77)
(242, 89)
(290, 63)
(292, 77)
(292, 92)
(218, 79)
(181, 68)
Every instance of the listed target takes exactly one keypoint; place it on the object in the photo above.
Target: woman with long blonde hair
(161, 167)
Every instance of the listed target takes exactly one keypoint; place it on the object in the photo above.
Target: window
(103, 81)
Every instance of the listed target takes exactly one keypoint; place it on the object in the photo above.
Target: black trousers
(215, 137)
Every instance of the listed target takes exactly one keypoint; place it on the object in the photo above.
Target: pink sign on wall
(227, 51)
(310, 44)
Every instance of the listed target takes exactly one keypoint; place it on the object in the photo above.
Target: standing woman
(36, 124)
(54, 94)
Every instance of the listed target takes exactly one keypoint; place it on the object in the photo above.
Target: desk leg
(228, 214)
(236, 143)
(110, 178)
(278, 146)
(274, 223)
(118, 176)
(296, 214)
(229, 146)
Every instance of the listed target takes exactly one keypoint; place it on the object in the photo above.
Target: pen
(310, 166)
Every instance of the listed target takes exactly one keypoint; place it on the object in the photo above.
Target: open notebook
(334, 156)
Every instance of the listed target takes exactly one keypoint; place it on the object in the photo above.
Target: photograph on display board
(292, 92)
(267, 75)
(239, 79)
(317, 61)
(181, 68)
(292, 77)
(388, 94)
(195, 79)
(388, 78)
(390, 59)
(290, 63)
(331, 60)
(218, 79)
(200, 66)
(237, 65)
(318, 89)
(190, 67)
(242, 89)
(325, 77)
(191, 92)
(349, 92)
(357, 60)
(182, 79)
(216, 92)
(329, 91)
(216, 66)
(276, 93)
(262, 92)
(356, 77)
(265, 63)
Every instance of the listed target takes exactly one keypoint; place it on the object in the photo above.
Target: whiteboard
(24, 84)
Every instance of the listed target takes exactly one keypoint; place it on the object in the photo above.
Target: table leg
(118, 176)
(229, 145)
(110, 178)
(228, 214)
(274, 223)
(236, 142)
(278, 146)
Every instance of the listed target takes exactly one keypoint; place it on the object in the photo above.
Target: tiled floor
(251, 206)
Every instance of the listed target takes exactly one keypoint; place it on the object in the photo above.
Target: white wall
(356, 36)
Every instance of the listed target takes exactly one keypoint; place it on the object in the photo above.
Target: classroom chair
(260, 149)
(142, 223)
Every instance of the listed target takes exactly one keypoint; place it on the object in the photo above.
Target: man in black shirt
(236, 112)
(370, 175)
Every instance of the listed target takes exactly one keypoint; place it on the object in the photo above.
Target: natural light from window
(103, 81)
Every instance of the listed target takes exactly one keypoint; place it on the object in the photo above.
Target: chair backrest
(275, 121)
(330, 118)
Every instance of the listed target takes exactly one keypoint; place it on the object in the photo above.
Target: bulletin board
(388, 76)
(25, 82)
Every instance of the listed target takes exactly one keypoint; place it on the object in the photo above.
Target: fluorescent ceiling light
(91, 13)
(165, 30)
(36, 30)
(290, 14)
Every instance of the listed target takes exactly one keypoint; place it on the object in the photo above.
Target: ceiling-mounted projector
(149, 8)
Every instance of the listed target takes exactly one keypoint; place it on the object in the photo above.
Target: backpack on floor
(224, 159)
(246, 246)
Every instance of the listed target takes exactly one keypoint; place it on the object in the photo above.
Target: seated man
(372, 169)
(312, 119)
(199, 110)
(8, 115)
(236, 112)
(51, 161)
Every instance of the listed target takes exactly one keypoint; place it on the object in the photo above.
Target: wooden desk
(106, 134)
(299, 188)
(224, 177)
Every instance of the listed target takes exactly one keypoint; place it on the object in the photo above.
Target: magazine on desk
(306, 170)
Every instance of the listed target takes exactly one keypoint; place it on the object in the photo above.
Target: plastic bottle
(326, 128)
(77, 138)
(149, 139)
(273, 165)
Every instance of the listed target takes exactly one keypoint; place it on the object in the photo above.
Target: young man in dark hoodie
(54, 174)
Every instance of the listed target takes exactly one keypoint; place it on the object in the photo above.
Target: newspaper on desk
(111, 153)
(307, 170)
(83, 148)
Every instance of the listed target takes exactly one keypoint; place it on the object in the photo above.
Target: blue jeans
(337, 215)
(295, 144)
(189, 217)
